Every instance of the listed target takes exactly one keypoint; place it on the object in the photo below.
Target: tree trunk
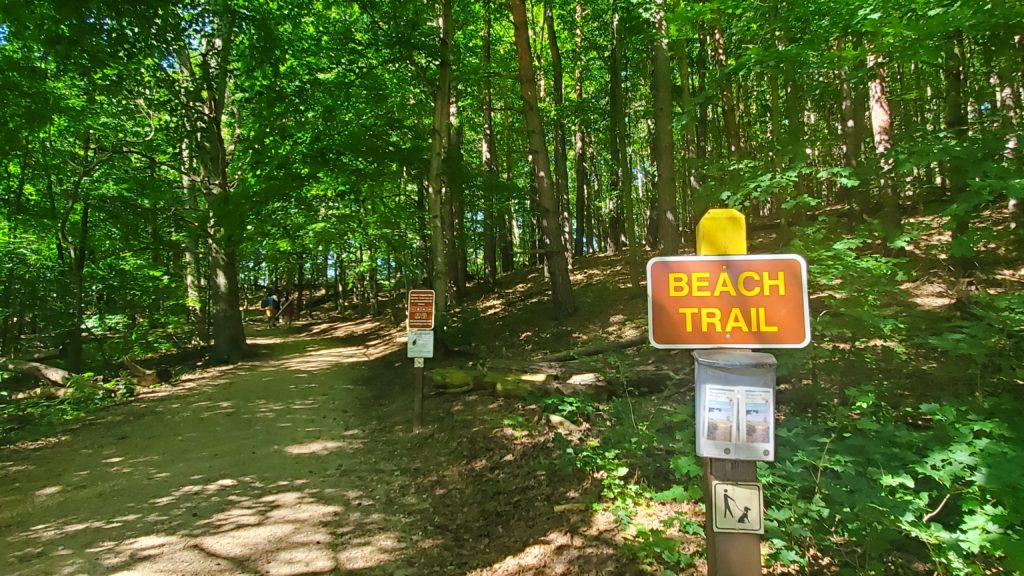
(12, 305)
(455, 230)
(619, 180)
(732, 131)
(511, 226)
(561, 161)
(579, 142)
(881, 129)
(340, 281)
(228, 336)
(424, 253)
(961, 250)
(439, 138)
(702, 129)
(594, 225)
(687, 137)
(664, 147)
(300, 285)
(77, 253)
(374, 281)
(490, 160)
(554, 250)
(620, 158)
(848, 113)
(205, 98)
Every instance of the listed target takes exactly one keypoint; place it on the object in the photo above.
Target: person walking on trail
(271, 306)
(288, 307)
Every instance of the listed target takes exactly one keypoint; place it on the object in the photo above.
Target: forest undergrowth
(898, 436)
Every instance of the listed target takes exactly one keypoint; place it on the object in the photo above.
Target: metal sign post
(420, 326)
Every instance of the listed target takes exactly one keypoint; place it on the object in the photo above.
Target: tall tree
(205, 77)
(616, 228)
(438, 140)
(955, 117)
(664, 147)
(561, 162)
(579, 142)
(489, 151)
(622, 224)
(881, 127)
(732, 129)
(554, 250)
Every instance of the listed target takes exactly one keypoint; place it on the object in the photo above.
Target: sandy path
(299, 463)
(278, 466)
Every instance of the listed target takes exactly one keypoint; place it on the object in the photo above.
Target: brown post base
(417, 403)
(729, 554)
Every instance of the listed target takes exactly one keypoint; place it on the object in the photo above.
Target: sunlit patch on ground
(48, 491)
(193, 490)
(54, 530)
(282, 534)
(562, 552)
(1011, 276)
(364, 553)
(321, 447)
(42, 443)
(928, 295)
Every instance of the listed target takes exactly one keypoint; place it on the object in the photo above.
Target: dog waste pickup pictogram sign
(738, 507)
(728, 301)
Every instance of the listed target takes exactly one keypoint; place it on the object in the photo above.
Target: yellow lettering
(742, 281)
(779, 283)
(754, 326)
(724, 285)
(688, 312)
(736, 321)
(764, 324)
(709, 316)
(700, 283)
(677, 285)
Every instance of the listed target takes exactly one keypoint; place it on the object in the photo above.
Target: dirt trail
(299, 463)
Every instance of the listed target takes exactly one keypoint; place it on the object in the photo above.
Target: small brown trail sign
(421, 310)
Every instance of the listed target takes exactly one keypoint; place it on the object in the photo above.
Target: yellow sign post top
(722, 231)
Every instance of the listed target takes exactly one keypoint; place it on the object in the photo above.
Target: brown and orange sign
(421, 310)
(728, 302)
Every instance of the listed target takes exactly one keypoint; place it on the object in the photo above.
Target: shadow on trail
(296, 464)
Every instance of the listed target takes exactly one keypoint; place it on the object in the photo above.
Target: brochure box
(735, 404)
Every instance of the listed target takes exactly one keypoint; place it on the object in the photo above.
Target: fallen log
(595, 349)
(41, 355)
(145, 377)
(51, 374)
(524, 379)
(562, 370)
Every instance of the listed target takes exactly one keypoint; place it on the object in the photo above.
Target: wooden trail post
(417, 398)
(420, 326)
(721, 303)
(719, 233)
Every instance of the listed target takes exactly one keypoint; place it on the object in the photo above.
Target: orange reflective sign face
(421, 310)
(728, 302)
